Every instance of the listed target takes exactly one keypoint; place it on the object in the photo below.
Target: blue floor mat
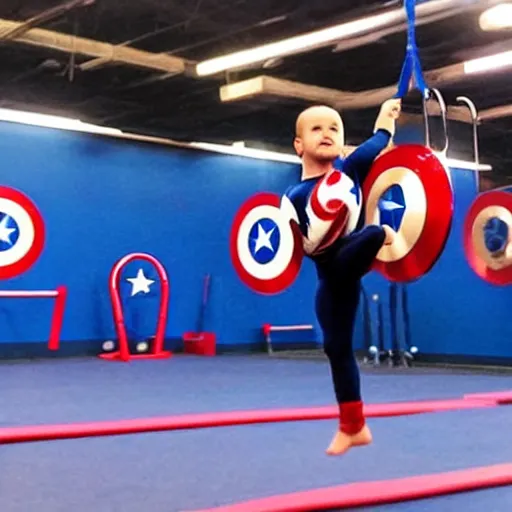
(185, 470)
(92, 389)
(193, 469)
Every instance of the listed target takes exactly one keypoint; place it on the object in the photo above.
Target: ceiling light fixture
(488, 63)
(294, 44)
(320, 38)
(495, 18)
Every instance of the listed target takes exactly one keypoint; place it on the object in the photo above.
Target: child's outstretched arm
(359, 162)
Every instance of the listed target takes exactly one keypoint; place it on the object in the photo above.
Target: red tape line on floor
(380, 492)
(31, 433)
(501, 397)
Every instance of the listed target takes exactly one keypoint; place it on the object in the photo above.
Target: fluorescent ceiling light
(48, 121)
(498, 17)
(324, 37)
(489, 63)
(295, 44)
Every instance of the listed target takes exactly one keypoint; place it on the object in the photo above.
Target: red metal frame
(59, 295)
(157, 352)
(58, 317)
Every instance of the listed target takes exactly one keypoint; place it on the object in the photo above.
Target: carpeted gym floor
(188, 470)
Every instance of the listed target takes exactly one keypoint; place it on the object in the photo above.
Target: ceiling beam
(267, 86)
(496, 113)
(88, 47)
(44, 17)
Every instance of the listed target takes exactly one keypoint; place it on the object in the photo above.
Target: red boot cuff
(351, 417)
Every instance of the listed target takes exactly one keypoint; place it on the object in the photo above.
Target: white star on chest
(140, 283)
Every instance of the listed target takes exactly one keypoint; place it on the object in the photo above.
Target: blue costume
(340, 268)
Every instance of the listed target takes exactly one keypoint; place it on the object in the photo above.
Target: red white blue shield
(487, 236)
(266, 248)
(409, 189)
(22, 233)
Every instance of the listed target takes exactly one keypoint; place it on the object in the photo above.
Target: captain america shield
(22, 233)
(487, 236)
(408, 188)
(266, 250)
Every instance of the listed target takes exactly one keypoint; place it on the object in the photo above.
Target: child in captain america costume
(339, 243)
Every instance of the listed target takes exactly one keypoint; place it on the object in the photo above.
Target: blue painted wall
(103, 198)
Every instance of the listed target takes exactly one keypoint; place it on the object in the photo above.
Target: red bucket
(200, 343)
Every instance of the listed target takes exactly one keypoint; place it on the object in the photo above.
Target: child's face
(320, 134)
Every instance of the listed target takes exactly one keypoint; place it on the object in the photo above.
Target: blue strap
(412, 65)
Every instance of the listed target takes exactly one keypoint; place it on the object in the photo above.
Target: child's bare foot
(342, 442)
